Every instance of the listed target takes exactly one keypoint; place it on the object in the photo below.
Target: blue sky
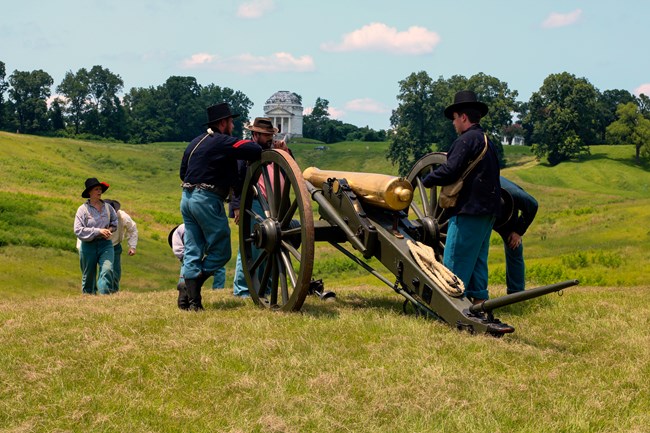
(352, 53)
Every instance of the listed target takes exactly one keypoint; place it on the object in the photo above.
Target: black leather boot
(203, 276)
(183, 299)
(194, 294)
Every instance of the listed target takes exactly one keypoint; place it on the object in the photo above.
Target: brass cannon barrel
(388, 192)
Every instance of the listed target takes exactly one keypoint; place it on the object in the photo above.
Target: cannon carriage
(396, 220)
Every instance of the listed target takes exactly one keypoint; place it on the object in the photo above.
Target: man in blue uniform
(517, 214)
(479, 201)
(208, 171)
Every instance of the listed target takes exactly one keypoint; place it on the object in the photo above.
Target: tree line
(559, 121)
(88, 105)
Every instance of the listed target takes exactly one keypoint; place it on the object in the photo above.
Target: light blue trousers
(466, 252)
(219, 281)
(239, 285)
(207, 235)
(91, 255)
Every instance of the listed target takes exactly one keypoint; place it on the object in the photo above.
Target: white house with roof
(285, 110)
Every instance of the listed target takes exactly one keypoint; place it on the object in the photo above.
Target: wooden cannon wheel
(276, 232)
(425, 207)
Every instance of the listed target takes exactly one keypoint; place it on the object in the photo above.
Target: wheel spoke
(286, 260)
(286, 219)
(269, 191)
(294, 252)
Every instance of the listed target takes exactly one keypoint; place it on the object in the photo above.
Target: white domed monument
(285, 110)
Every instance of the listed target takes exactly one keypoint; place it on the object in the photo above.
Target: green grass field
(133, 362)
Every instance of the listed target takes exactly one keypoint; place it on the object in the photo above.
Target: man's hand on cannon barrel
(280, 144)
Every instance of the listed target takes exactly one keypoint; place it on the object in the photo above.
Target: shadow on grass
(228, 304)
(526, 307)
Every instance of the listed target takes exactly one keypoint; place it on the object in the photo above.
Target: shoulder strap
(197, 145)
(477, 160)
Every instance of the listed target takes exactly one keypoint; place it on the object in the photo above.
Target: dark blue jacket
(524, 209)
(214, 160)
(481, 192)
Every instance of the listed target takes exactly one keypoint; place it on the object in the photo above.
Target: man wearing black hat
(208, 171)
(473, 215)
(517, 214)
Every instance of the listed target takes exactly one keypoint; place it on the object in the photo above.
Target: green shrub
(575, 261)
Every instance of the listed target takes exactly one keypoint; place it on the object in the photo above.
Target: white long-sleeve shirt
(178, 244)
(126, 227)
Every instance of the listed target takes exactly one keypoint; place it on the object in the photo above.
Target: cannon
(395, 220)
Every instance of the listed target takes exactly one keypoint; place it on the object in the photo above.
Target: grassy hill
(134, 362)
(590, 224)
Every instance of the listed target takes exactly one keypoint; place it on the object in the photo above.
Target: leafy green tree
(183, 100)
(105, 116)
(412, 122)
(313, 123)
(148, 117)
(75, 88)
(55, 115)
(608, 103)
(563, 117)
(29, 92)
(3, 88)
(630, 127)
(644, 105)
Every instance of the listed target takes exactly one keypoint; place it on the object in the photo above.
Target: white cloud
(249, 64)
(255, 9)
(561, 20)
(198, 59)
(335, 113)
(643, 88)
(366, 105)
(380, 37)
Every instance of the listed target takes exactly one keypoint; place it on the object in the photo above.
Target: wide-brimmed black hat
(114, 203)
(218, 112)
(263, 125)
(92, 182)
(465, 99)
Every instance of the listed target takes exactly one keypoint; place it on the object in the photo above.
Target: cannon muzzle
(385, 191)
(493, 304)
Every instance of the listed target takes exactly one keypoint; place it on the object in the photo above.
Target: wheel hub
(431, 230)
(266, 235)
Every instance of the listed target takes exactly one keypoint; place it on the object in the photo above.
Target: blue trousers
(466, 252)
(515, 269)
(117, 266)
(91, 255)
(207, 234)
